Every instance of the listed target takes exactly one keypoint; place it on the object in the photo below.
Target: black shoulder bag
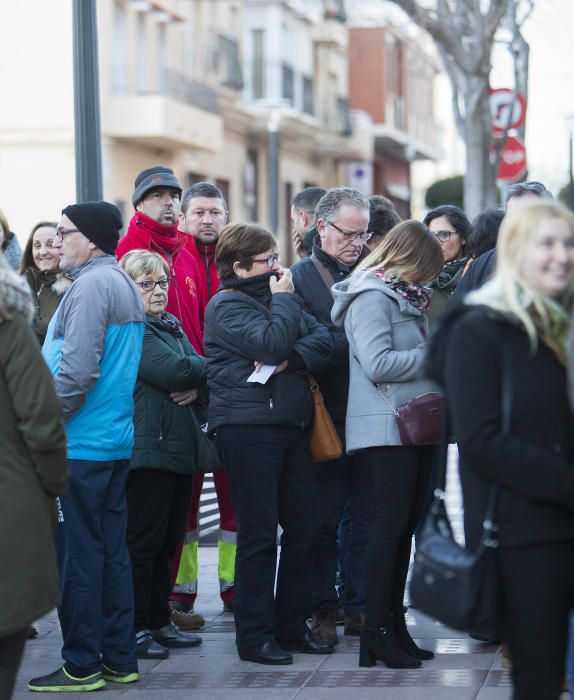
(453, 584)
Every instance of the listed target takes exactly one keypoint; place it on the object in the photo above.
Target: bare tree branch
(437, 29)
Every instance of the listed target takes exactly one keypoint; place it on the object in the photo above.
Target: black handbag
(207, 456)
(453, 584)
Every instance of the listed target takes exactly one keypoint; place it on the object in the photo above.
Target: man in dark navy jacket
(342, 220)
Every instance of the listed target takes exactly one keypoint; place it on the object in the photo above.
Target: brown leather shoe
(324, 625)
(354, 625)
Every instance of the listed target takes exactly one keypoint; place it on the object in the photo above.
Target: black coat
(318, 300)
(238, 331)
(479, 272)
(534, 466)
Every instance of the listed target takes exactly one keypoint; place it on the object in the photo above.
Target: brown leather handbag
(324, 442)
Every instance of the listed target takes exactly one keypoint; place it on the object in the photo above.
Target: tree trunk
(479, 179)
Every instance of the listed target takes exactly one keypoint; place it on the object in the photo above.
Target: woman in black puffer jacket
(261, 432)
(164, 457)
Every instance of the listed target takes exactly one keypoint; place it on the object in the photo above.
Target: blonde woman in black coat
(524, 310)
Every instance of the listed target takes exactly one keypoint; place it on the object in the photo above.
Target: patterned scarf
(415, 294)
(167, 323)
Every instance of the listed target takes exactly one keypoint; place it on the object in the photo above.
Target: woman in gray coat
(382, 307)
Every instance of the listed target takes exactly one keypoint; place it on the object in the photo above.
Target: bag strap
(389, 404)
(323, 272)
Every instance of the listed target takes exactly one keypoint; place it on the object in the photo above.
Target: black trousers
(158, 502)
(538, 588)
(11, 652)
(273, 481)
(343, 480)
(400, 482)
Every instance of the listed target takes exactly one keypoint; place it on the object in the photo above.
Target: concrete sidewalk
(462, 669)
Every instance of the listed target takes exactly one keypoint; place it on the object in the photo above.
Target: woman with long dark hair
(451, 228)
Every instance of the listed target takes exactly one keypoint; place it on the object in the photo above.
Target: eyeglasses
(443, 236)
(271, 260)
(351, 235)
(61, 232)
(149, 286)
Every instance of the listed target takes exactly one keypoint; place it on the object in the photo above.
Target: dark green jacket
(33, 470)
(48, 289)
(164, 434)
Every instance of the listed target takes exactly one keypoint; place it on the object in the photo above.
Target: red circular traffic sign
(502, 101)
(512, 164)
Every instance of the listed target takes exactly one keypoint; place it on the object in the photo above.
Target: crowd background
(186, 345)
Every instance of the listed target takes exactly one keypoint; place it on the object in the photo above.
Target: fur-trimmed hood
(15, 295)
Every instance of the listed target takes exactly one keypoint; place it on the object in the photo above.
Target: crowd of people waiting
(131, 365)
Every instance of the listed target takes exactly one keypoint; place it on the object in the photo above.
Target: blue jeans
(97, 607)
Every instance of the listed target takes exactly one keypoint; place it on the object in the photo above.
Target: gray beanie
(151, 178)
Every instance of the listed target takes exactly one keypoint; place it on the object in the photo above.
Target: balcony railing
(165, 82)
(279, 80)
(226, 62)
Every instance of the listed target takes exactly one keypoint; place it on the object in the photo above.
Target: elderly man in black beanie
(93, 345)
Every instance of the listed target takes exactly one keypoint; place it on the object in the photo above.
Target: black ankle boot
(381, 644)
(404, 638)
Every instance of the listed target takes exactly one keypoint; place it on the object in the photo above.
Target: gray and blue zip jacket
(93, 347)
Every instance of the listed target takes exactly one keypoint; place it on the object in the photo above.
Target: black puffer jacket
(241, 329)
(534, 465)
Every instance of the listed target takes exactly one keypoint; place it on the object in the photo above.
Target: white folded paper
(261, 376)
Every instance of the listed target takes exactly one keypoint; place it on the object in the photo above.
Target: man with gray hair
(342, 220)
(482, 268)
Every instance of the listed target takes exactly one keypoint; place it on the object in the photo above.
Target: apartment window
(250, 185)
(162, 58)
(288, 78)
(308, 95)
(224, 187)
(142, 54)
(192, 178)
(258, 72)
(287, 199)
(119, 76)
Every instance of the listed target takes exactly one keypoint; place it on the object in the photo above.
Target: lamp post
(273, 167)
(570, 122)
(87, 102)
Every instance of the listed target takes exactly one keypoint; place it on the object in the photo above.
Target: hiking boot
(354, 625)
(61, 681)
(188, 620)
(119, 676)
(324, 625)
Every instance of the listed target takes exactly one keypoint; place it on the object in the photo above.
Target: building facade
(249, 94)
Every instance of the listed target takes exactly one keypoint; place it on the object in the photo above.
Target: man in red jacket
(154, 226)
(203, 216)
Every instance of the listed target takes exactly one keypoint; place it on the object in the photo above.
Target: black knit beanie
(101, 222)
